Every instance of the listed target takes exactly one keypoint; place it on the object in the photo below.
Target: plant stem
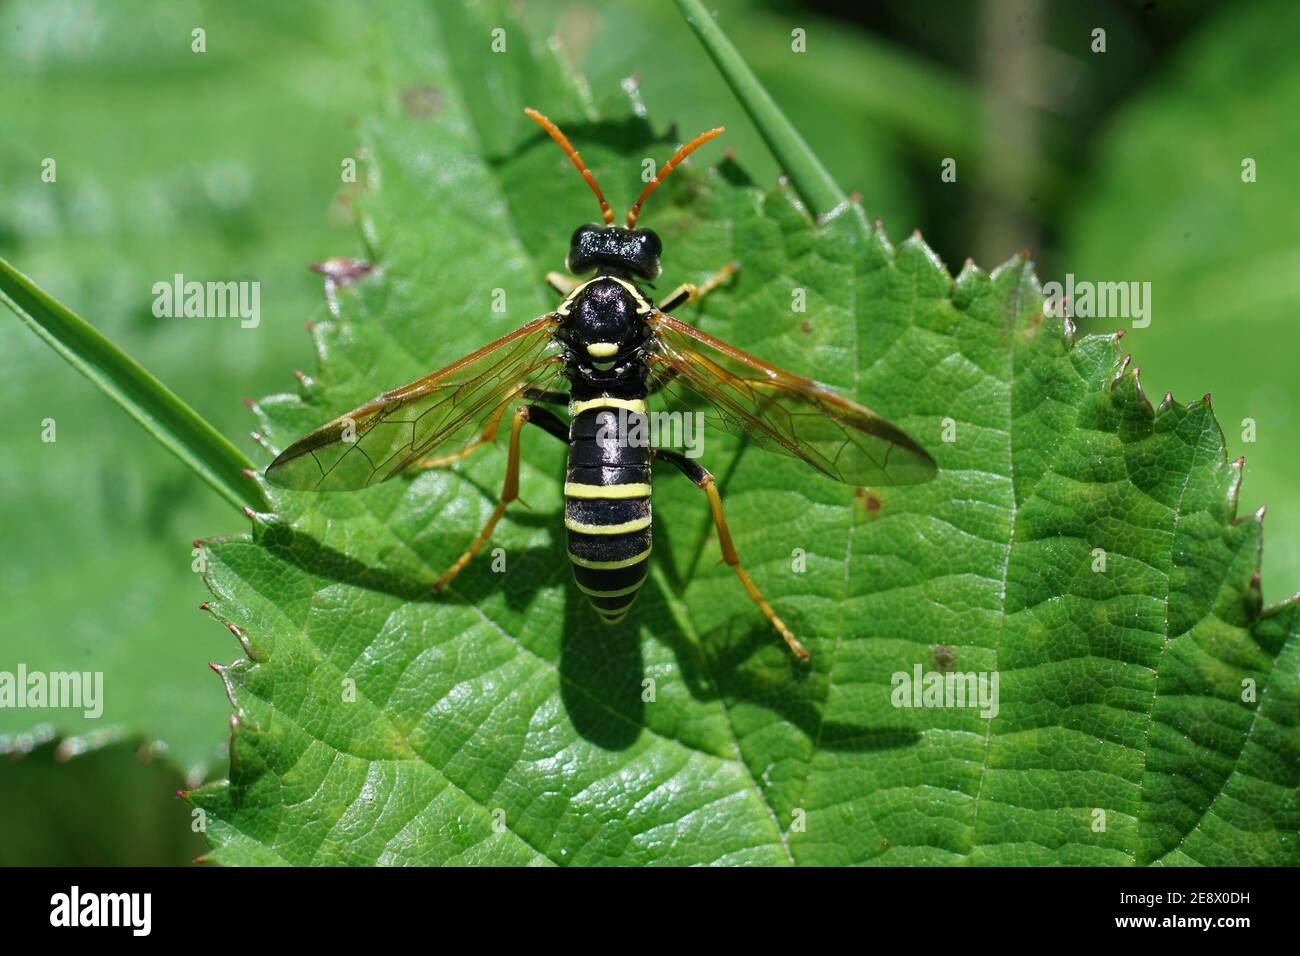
(810, 179)
(158, 409)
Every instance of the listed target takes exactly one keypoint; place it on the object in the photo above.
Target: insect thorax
(603, 328)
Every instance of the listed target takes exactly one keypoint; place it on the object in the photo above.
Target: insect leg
(704, 480)
(484, 438)
(690, 292)
(524, 414)
(561, 283)
(490, 432)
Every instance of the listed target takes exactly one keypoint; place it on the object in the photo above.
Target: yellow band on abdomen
(609, 565)
(607, 401)
(618, 592)
(636, 524)
(636, 489)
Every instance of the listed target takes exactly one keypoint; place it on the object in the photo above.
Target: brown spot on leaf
(944, 657)
(869, 501)
(422, 100)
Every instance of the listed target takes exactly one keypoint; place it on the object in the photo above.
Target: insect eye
(652, 243)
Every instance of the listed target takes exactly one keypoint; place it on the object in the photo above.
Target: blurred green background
(1122, 165)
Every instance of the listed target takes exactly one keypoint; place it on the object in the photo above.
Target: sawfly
(602, 352)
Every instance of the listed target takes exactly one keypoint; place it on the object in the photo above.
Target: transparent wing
(443, 411)
(781, 411)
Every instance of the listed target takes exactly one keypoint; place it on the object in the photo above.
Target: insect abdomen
(607, 502)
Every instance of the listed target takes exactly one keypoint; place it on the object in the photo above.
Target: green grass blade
(807, 174)
(157, 408)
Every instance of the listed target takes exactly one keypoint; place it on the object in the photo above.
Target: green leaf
(221, 166)
(112, 806)
(1220, 260)
(500, 723)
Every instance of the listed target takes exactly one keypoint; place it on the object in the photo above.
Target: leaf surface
(501, 723)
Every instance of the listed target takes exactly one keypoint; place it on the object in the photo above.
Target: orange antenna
(572, 153)
(692, 146)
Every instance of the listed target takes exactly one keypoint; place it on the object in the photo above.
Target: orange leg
(704, 480)
(690, 292)
(489, 433)
(510, 488)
